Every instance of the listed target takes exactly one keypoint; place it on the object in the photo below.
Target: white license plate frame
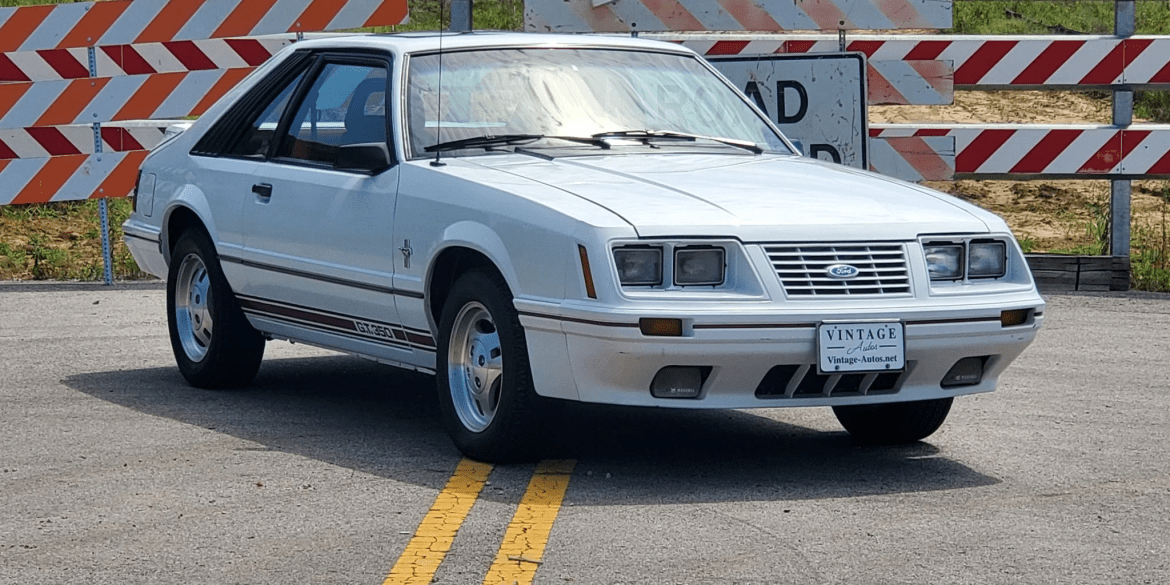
(857, 347)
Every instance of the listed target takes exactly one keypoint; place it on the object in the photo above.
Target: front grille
(803, 381)
(802, 269)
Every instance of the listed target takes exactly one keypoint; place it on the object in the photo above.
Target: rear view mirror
(369, 157)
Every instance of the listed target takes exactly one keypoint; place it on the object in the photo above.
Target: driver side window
(345, 105)
(261, 132)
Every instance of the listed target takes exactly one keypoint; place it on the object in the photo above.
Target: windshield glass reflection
(573, 92)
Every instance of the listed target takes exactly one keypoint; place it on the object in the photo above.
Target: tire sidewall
(508, 437)
(894, 423)
(233, 341)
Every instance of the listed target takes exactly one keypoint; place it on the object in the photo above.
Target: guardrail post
(460, 16)
(1124, 25)
(103, 206)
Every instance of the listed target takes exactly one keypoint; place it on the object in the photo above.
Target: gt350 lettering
(373, 330)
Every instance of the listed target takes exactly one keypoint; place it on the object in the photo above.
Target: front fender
(479, 237)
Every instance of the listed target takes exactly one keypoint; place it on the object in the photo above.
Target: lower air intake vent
(803, 381)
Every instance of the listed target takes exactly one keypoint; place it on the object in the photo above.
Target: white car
(597, 219)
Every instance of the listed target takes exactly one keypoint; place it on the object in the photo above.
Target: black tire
(490, 408)
(213, 343)
(894, 423)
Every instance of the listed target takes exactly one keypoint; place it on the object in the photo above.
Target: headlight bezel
(730, 260)
(966, 245)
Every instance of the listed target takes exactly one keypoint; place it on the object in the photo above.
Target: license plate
(861, 347)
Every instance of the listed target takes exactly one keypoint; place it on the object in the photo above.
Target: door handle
(262, 189)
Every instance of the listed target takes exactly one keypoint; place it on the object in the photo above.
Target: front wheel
(213, 343)
(484, 381)
(894, 423)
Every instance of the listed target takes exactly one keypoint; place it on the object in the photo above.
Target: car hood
(755, 198)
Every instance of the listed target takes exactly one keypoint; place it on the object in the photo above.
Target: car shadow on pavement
(384, 421)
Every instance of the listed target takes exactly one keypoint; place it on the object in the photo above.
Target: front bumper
(762, 359)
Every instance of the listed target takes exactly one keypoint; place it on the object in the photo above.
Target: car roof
(416, 42)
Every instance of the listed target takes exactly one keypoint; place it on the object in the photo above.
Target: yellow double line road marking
(434, 536)
(524, 541)
(520, 553)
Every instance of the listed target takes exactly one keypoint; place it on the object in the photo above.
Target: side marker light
(1013, 318)
(589, 288)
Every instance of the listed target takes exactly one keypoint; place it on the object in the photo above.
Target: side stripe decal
(392, 334)
(322, 278)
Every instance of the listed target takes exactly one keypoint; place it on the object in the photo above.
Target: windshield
(574, 93)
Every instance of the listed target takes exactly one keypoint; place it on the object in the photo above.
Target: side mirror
(799, 146)
(368, 157)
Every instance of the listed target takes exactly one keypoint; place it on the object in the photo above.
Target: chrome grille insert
(803, 269)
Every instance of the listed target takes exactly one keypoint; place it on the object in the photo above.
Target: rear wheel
(213, 343)
(894, 423)
(485, 384)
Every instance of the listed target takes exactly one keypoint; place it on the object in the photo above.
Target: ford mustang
(541, 217)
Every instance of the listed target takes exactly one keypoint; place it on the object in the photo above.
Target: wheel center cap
(478, 369)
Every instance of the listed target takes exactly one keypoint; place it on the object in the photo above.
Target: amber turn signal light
(1013, 318)
(660, 327)
(588, 274)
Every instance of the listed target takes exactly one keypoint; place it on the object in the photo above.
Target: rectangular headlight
(638, 265)
(987, 260)
(698, 265)
(944, 261)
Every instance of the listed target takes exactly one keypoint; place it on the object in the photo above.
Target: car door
(225, 159)
(318, 242)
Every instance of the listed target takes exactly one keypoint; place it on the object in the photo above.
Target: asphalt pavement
(334, 469)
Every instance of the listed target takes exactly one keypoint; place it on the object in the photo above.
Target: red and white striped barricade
(967, 62)
(122, 22)
(142, 59)
(942, 152)
(68, 70)
(733, 15)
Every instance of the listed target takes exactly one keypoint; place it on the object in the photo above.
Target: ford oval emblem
(842, 271)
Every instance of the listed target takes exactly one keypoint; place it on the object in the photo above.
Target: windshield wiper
(646, 135)
(509, 139)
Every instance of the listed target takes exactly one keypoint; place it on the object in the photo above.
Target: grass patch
(62, 241)
(1097, 230)
(1152, 105)
(11, 3)
(1152, 17)
(1150, 249)
(486, 15)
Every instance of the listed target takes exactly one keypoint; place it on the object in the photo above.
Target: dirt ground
(1064, 216)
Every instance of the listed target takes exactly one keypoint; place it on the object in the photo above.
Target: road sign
(819, 100)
